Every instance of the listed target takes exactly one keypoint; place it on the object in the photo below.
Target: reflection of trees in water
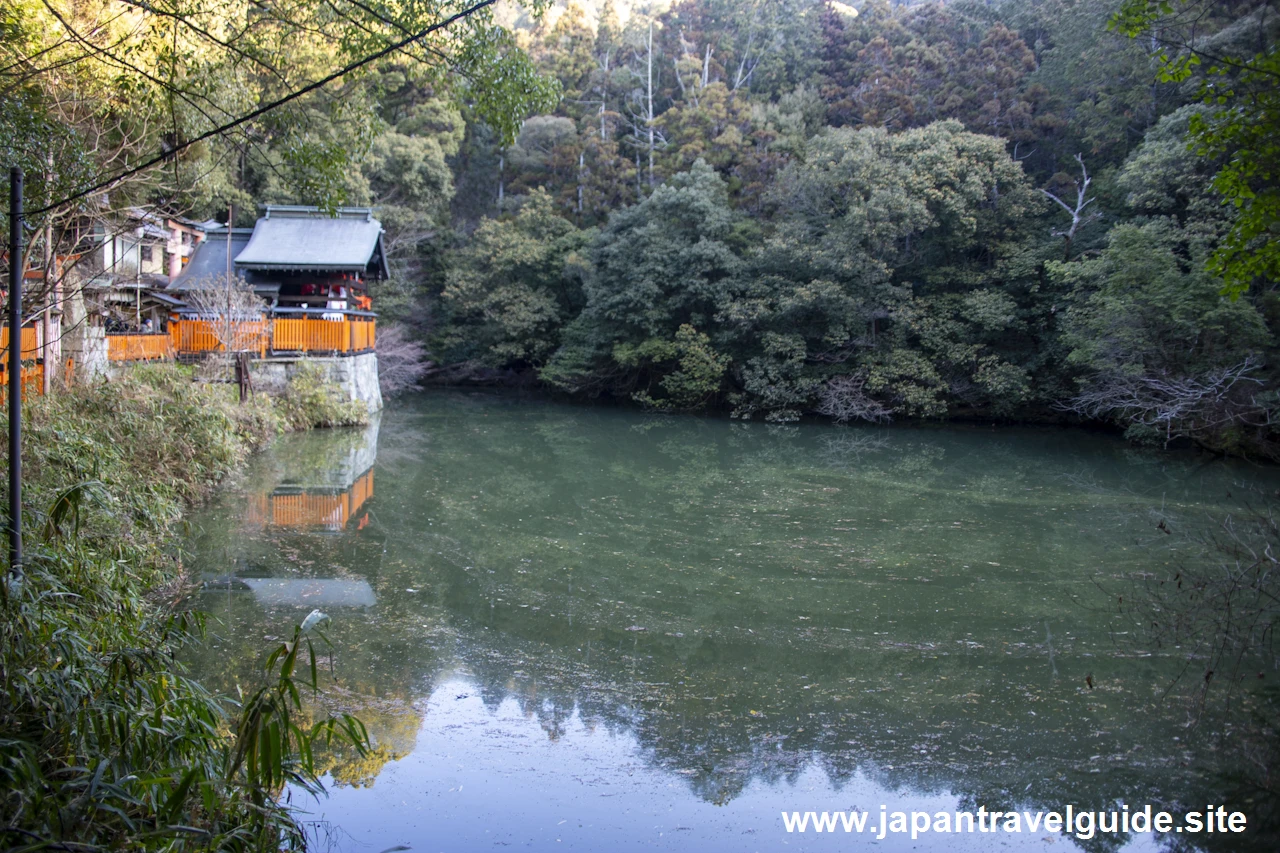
(392, 724)
(689, 712)
(846, 447)
(786, 582)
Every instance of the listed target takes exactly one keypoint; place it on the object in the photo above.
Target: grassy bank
(104, 742)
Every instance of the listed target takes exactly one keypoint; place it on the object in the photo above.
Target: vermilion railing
(193, 336)
(361, 491)
(32, 375)
(306, 334)
(327, 511)
(363, 335)
(317, 334)
(310, 335)
(139, 347)
(198, 336)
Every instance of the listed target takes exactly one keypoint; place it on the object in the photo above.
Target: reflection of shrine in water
(303, 535)
(322, 508)
(325, 497)
(321, 492)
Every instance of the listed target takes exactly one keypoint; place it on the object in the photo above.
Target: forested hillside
(869, 211)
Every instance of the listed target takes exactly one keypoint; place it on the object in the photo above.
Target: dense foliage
(1061, 208)
(106, 743)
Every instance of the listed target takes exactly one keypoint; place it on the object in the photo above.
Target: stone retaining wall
(87, 346)
(356, 375)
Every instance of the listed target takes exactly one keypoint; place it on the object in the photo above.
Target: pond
(596, 628)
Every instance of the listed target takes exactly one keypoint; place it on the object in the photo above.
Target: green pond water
(599, 629)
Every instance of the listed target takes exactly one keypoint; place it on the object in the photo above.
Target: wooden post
(46, 320)
(15, 371)
(243, 379)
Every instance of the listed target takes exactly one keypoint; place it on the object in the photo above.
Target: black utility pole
(15, 371)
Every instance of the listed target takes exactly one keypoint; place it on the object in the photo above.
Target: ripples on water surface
(590, 628)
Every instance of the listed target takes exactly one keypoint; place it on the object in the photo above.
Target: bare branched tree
(402, 361)
(1192, 407)
(845, 398)
(1078, 217)
(233, 314)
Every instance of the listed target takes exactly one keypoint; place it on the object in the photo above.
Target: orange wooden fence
(193, 336)
(308, 335)
(197, 336)
(32, 375)
(281, 334)
(139, 347)
(363, 335)
(316, 334)
(30, 343)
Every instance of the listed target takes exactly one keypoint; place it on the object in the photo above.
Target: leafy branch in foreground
(1239, 68)
(166, 102)
(110, 745)
(272, 749)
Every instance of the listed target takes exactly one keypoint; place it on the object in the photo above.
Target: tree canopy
(182, 103)
(786, 207)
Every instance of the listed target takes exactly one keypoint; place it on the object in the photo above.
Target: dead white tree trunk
(582, 174)
(649, 94)
(502, 165)
(747, 66)
(1078, 216)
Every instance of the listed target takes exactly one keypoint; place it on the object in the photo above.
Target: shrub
(402, 361)
(310, 401)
